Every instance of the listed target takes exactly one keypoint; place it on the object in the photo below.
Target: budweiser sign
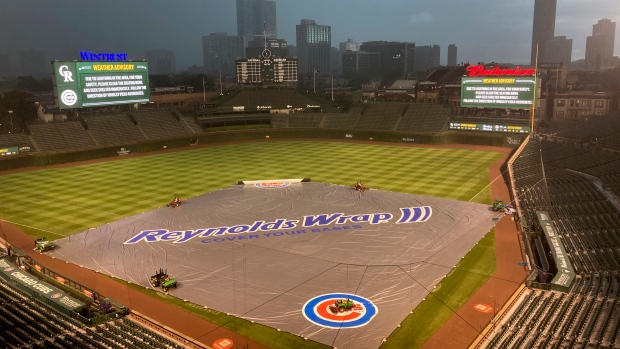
(478, 70)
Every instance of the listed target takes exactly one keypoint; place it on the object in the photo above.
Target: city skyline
(480, 29)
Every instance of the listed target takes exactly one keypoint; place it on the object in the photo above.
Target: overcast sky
(483, 30)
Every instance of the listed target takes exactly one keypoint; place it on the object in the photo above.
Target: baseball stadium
(275, 218)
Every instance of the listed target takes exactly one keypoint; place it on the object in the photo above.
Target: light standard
(11, 115)
(314, 80)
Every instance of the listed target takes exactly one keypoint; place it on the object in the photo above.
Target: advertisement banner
(39, 286)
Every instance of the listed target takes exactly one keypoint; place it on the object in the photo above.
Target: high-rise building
(33, 63)
(360, 62)
(349, 45)
(219, 52)
(256, 17)
(395, 57)
(558, 50)
(427, 58)
(277, 47)
(600, 46)
(451, 55)
(161, 61)
(5, 66)
(314, 45)
(336, 61)
(544, 27)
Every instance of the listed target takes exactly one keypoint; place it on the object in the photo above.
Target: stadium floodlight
(11, 117)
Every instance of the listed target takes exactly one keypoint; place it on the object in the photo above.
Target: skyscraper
(544, 27)
(558, 50)
(219, 51)
(395, 57)
(600, 46)
(5, 65)
(314, 45)
(161, 61)
(426, 58)
(451, 55)
(255, 17)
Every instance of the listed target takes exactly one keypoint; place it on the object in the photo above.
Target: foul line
(483, 189)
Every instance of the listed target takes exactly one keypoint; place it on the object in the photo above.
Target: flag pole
(204, 95)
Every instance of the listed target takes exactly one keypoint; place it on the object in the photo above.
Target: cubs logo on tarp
(57, 295)
(8, 269)
(272, 185)
(324, 311)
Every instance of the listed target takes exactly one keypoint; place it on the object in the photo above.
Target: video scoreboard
(498, 92)
(91, 84)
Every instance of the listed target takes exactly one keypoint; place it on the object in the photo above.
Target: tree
(23, 110)
(344, 100)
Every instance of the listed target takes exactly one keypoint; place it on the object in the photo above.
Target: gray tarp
(269, 275)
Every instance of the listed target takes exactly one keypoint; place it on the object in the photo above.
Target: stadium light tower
(11, 116)
(314, 71)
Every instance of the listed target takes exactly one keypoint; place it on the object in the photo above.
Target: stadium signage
(38, 286)
(88, 56)
(90, 84)
(408, 215)
(478, 70)
(317, 310)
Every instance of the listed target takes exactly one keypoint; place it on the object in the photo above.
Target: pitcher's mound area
(283, 253)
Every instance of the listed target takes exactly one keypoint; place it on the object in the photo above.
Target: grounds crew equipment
(340, 306)
(43, 244)
(161, 279)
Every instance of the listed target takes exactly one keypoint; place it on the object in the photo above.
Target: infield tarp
(265, 253)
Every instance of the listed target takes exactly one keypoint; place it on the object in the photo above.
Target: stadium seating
(113, 129)
(275, 98)
(14, 140)
(575, 190)
(61, 136)
(159, 124)
(26, 323)
(424, 117)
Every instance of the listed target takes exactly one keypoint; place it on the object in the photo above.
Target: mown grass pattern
(59, 202)
(63, 201)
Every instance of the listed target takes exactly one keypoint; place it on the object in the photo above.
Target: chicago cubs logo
(68, 97)
(339, 310)
(8, 269)
(272, 185)
(57, 295)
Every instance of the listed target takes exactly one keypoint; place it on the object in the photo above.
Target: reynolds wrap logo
(408, 215)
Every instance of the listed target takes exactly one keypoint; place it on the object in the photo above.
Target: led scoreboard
(491, 127)
(498, 88)
(91, 84)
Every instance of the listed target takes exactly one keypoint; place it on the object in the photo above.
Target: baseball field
(61, 201)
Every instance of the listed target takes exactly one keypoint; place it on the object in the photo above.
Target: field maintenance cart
(43, 244)
(341, 305)
(161, 279)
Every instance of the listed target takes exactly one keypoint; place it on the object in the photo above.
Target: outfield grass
(62, 201)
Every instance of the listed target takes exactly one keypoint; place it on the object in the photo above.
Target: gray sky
(483, 30)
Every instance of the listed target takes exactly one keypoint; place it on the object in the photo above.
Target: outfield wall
(61, 157)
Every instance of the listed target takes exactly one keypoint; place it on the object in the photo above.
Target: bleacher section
(26, 323)
(576, 193)
(601, 130)
(113, 129)
(61, 136)
(382, 116)
(277, 99)
(159, 124)
(424, 117)
(14, 140)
